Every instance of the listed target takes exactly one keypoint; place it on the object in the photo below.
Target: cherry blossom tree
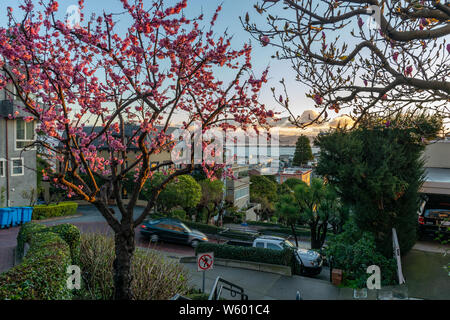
(374, 57)
(101, 73)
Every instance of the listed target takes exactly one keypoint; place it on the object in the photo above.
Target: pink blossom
(395, 56)
(360, 22)
(265, 41)
(408, 70)
(318, 99)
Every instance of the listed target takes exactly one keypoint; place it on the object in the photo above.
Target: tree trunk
(295, 235)
(315, 243)
(124, 242)
(208, 217)
(323, 234)
(314, 236)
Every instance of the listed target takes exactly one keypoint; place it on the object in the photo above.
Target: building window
(241, 193)
(2, 167)
(24, 133)
(17, 167)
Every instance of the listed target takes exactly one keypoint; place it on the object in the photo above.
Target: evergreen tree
(303, 152)
(378, 171)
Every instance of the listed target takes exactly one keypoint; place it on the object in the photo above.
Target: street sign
(205, 261)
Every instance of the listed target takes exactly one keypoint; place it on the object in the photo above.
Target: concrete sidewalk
(265, 286)
(7, 245)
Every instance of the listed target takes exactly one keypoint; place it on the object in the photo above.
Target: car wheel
(194, 243)
(154, 238)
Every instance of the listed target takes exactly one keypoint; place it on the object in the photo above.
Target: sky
(228, 20)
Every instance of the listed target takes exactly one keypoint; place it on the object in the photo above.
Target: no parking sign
(205, 261)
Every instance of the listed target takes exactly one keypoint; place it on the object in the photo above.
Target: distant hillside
(291, 140)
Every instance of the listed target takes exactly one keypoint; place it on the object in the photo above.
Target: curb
(58, 218)
(249, 265)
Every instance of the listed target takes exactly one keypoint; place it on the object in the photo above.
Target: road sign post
(205, 261)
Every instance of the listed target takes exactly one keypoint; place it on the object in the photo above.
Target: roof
(129, 129)
(294, 171)
(441, 175)
(10, 107)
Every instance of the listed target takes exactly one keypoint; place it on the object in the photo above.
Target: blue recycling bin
(15, 216)
(18, 216)
(27, 212)
(5, 217)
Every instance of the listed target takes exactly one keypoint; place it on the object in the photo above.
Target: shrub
(154, 277)
(42, 273)
(178, 213)
(238, 235)
(284, 257)
(210, 229)
(228, 219)
(68, 232)
(265, 224)
(206, 228)
(274, 219)
(286, 231)
(72, 236)
(41, 212)
(353, 251)
(240, 216)
(24, 235)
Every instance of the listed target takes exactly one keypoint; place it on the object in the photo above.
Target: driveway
(426, 276)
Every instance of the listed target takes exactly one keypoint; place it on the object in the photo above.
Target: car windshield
(288, 244)
(185, 227)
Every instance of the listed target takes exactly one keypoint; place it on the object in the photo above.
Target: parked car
(435, 218)
(310, 261)
(171, 230)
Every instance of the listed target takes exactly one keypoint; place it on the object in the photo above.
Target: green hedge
(206, 228)
(42, 273)
(72, 236)
(264, 224)
(286, 231)
(68, 232)
(41, 212)
(284, 257)
(210, 229)
(25, 233)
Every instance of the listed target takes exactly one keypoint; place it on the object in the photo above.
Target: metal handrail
(234, 289)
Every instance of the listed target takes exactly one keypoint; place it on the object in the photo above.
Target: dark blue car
(171, 230)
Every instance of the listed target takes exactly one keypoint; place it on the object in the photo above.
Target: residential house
(303, 174)
(132, 151)
(437, 168)
(17, 166)
(238, 190)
